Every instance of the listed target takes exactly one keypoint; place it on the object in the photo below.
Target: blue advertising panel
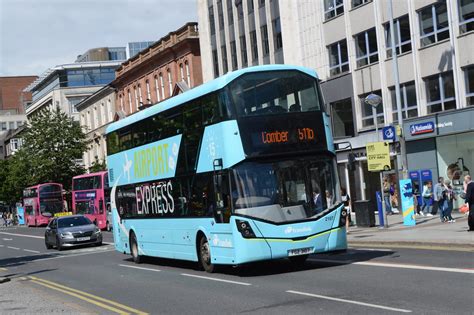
(388, 133)
(427, 176)
(417, 185)
(20, 211)
(408, 206)
(379, 208)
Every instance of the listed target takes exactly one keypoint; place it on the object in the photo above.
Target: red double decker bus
(42, 202)
(91, 197)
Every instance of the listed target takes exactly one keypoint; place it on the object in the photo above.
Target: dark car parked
(72, 230)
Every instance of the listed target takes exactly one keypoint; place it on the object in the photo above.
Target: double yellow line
(90, 298)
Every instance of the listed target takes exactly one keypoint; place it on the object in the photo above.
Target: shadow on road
(279, 266)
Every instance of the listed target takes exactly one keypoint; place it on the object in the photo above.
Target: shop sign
(378, 156)
(422, 128)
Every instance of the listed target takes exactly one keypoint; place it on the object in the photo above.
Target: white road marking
(55, 257)
(7, 239)
(24, 235)
(1, 245)
(31, 251)
(141, 268)
(215, 279)
(389, 265)
(351, 302)
(11, 247)
(372, 249)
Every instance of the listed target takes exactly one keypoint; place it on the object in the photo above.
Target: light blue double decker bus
(237, 170)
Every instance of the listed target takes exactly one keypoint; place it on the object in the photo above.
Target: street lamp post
(375, 100)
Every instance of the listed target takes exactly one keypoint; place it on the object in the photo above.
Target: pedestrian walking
(347, 205)
(437, 195)
(386, 196)
(449, 202)
(426, 195)
(470, 201)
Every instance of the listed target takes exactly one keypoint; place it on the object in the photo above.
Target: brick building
(12, 97)
(169, 66)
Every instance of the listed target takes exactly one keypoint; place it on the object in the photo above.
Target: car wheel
(298, 261)
(137, 258)
(48, 246)
(205, 255)
(58, 244)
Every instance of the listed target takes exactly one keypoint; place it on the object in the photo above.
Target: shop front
(443, 144)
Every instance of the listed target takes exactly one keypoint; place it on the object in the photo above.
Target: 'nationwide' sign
(418, 129)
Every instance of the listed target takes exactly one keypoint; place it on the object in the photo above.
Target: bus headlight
(245, 229)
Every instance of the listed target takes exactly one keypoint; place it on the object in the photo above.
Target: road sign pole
(384, 210)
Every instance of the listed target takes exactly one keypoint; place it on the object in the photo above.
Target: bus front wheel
(137, 258)
(205, 255)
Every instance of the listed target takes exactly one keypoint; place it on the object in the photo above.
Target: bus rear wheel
(137, 258)
(205, 255)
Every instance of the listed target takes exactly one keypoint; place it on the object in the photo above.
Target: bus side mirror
(351, 160)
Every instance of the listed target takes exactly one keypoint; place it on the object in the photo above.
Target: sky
(38, 34)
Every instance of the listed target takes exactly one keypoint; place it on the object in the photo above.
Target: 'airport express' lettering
(152, 161)
(155, 198)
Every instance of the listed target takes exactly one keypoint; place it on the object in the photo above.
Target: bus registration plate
(81, 239)
(300, 251)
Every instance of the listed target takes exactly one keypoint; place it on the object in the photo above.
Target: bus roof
(199, 91)
(89, 175)
(43, 184)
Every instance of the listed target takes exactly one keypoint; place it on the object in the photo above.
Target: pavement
(429, 232)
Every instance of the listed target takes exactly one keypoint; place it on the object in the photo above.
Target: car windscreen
(73, 221)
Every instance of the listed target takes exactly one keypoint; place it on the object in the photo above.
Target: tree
(53, 143)
(97, 166)
(17, 175)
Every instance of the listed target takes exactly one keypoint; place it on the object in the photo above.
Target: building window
(402, 36)
(135, 93)
(224, 59)
(181, 72)
(253, 44)
(20, 123)
(110, 110)
(277, 39)
(240, 9)
(367, 114)
(130, 101)
(220, 14)
(4, 126)
(338, 59)
(265, 46)
(243, 50)
(408, 101)
(470, 85)
(11, 125)
(440, 92)
(342, 118)
(211, 20)
(170, 82)
(148, 92)
(73, 101)
(333, 8)
(434, 25)
(89, 121)
(121, 102)
(96, 117)
(250, 6)
(466, 15)
(188, 74)
(215, 61)
(230, 16)
(261, 3)
(233, 54)
(356, 3)
(162, 83)
(366, 48)
(157, 88)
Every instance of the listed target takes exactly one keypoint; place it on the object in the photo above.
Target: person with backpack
(449, 202)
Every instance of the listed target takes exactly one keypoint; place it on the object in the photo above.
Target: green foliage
(53, 144)
(97, 166)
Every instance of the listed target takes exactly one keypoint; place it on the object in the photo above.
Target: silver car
(71, 230)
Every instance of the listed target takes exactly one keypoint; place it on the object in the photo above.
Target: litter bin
(365, 215)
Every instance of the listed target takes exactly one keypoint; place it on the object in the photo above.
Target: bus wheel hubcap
(205, 253)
